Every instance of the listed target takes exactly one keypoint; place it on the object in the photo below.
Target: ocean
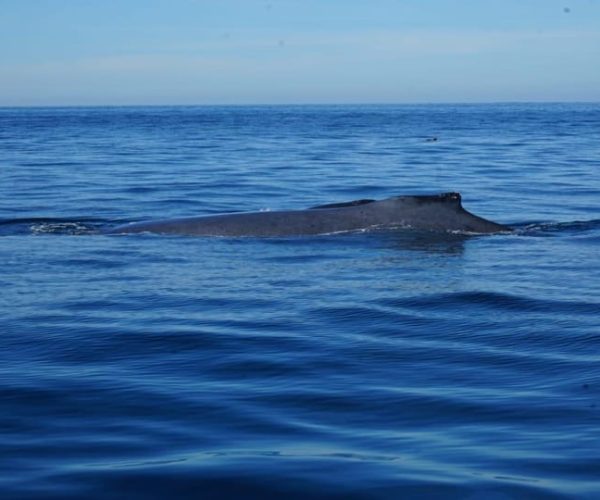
(387, 364)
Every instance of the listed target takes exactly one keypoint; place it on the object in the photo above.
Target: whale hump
(451, 198)
(343, 204)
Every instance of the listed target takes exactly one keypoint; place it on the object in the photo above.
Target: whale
(439, 212)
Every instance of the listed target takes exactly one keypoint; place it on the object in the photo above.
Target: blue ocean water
(395, 364)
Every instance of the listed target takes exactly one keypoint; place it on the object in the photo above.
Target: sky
(168, 52)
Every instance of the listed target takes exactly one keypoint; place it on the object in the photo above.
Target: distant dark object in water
(431, 139)
(441, 212)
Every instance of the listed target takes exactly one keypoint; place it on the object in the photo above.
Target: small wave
(496, 300)
(42, 226)
(73, 228)
(540, 228)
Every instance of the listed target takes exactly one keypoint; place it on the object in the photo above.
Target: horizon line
(296, 104)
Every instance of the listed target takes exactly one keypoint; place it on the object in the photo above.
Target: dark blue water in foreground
(373, 365)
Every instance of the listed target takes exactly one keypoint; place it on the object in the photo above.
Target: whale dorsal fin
(344, 204)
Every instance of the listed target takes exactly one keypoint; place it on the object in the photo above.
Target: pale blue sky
(80, 52)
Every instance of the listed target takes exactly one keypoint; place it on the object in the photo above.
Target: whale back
(441, 212)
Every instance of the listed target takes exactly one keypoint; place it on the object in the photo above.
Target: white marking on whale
(442, 212)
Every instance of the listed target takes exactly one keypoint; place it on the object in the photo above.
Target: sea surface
(386, 364)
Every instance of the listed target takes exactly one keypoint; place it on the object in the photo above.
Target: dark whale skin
(441, 212)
